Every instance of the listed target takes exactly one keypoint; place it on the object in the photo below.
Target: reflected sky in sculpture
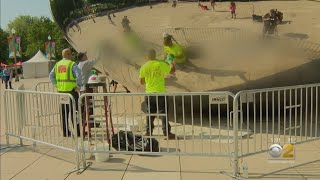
(221, 57)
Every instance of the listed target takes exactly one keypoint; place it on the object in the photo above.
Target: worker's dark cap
(81, 55)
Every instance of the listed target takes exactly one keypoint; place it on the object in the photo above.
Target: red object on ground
(203, 7)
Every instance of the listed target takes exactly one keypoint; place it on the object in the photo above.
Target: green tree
(3, 46)
(34, 32)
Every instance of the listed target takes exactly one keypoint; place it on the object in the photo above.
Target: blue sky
(13, 8)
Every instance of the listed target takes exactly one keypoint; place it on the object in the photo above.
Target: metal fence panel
(200, 121)
(205, 124)
(28, 117)
(45, 87)
(277, 115)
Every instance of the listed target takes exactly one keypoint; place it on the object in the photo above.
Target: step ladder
(90, 105)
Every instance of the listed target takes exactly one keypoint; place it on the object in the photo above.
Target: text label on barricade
(218, 98)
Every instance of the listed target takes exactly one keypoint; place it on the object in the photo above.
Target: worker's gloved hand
(170, 58)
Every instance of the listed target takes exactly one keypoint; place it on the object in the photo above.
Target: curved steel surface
(222, 55)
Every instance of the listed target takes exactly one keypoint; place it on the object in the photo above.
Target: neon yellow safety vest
(175, 50)
(66, 81)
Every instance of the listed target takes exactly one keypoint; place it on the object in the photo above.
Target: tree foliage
(34, 32)
(3, 46)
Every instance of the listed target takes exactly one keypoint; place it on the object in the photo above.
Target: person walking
(213, 4)
(152, 75)
(233, 9)
(1, 75)
(8, 75)
(66, 77)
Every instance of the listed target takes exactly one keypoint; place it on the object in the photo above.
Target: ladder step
(98, 129)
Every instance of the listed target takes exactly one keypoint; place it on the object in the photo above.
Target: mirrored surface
(221, 53)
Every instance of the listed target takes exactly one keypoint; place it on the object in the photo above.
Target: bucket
(86, 145)
(101, 157)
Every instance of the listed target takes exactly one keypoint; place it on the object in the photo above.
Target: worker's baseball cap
(81, 54)
(165, 34)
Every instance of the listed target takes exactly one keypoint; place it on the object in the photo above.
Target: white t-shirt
(85, 67)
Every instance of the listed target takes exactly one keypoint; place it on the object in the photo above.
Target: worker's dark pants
(66, 109)
(7, 82)
(152, 102)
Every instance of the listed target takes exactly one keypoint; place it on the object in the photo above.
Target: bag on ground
(123, 141)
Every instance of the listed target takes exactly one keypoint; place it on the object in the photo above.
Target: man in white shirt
(85, 66)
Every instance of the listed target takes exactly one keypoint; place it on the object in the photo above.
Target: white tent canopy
(37, 67)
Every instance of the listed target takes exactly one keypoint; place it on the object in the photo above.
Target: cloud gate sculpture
(221, 56)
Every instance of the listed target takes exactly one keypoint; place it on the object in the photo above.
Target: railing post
(20, 111)
(81, 149)
(75, 120)
(235, 137)
(6, 118)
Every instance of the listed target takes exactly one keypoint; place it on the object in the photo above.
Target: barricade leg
(235, 160)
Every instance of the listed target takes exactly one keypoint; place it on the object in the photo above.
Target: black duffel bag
(134, 142)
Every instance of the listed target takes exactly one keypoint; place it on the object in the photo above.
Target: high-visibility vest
(66, 81)
(176, 50)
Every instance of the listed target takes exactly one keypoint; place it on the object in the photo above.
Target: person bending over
(173, 51)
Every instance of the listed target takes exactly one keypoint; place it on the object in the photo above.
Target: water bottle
(245, 174)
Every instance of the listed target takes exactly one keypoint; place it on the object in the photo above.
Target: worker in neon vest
(152, 75)
(173, 51)
(66, 77)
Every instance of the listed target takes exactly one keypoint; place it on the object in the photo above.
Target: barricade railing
(205, 124)
(45, 87)
(24, 122)
(200, 121)
(275, 116)
(48, 87)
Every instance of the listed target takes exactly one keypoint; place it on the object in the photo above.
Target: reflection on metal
(219, 58)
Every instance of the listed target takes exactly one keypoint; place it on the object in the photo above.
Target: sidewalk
(48, 163)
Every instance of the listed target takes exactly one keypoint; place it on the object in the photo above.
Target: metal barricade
(204, 124)
(23, 121)
(45, 87)
(48, 87)
(200, 121)
(276, 115)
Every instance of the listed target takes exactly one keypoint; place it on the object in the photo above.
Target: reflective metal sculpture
(225, 56)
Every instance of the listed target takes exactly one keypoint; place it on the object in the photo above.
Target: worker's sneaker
(169, 136)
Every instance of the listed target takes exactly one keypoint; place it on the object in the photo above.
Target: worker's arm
(165, 56)
(77, 74)
(172, 68)
(52, 77)
(142, 81)
(142, 76)
(168, 68)
(91, 63)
